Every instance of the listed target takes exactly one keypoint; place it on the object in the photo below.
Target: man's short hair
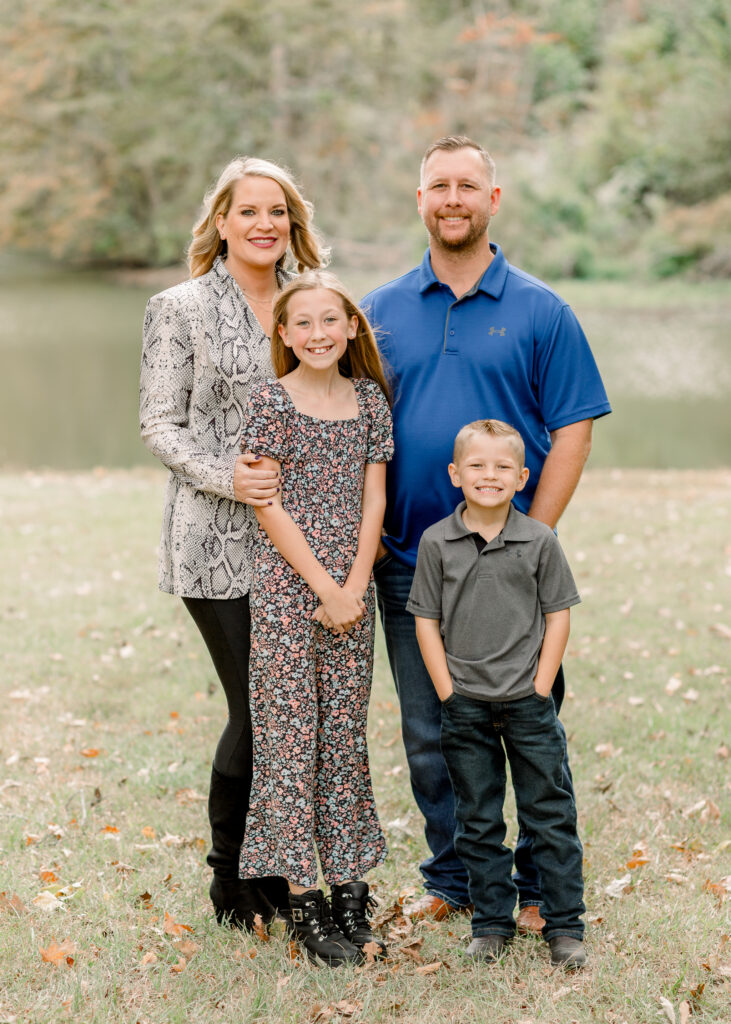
(491, 428)
(451, 143)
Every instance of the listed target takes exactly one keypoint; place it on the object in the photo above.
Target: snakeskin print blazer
(203, 349)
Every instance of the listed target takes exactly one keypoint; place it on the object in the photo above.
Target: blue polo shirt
(510, 349)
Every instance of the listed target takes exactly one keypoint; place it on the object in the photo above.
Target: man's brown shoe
(529, 921)
(432, 908)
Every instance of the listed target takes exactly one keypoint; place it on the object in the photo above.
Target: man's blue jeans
(444, 873)
(476, 737)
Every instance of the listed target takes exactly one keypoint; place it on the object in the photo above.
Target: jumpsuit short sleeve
(266, 429)
(380, 424)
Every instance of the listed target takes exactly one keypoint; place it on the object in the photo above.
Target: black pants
(225, 627)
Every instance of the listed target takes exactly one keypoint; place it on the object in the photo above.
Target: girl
(325, 426)
(206, 342)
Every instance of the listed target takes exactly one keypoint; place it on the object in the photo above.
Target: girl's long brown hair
(360, 359)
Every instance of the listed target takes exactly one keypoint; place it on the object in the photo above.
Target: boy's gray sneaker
(487, 947)
(567, 952)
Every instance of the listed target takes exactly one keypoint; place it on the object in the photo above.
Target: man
(467, 336)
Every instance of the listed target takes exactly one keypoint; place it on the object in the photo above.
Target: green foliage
(119, 116)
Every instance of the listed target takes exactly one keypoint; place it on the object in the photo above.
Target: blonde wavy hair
(304, 241)
(360, 359)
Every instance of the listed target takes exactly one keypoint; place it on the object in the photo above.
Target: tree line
(608, 120)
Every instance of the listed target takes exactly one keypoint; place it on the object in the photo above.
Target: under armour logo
(498, 330)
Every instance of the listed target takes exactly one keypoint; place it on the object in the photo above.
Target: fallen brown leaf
(695, 996)
(188, 796)
(721, 629)
(711, 812)
(619, 887)
(560, 993)
(346, 1009)
(607, 750)
(56, 955)
(89, 752)
(47, 901)
(123, 869)
(260, 929)
(413, 954)
(186, 947)
(148, 958)
(394, 910)
(180, 966)
(638, 858)
(171, 927)
(148, 832)
(719, 889)
(12, 904)
(431, 968)
(372, 951)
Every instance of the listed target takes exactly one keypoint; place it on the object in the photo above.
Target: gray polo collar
(516, 527)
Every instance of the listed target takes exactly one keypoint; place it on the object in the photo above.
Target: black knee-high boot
(236, 901)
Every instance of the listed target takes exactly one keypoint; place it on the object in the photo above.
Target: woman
(206, 342)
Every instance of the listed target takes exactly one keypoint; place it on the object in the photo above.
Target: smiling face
(456, 199)
(317, 328)
(488, 471)
(256, 227)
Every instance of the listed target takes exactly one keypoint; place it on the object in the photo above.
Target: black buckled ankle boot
(313, 925)
(352, 905)
(236, 901)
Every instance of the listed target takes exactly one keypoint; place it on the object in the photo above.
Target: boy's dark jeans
(476, 736)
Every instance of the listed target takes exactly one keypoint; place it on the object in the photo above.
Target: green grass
(94, 659)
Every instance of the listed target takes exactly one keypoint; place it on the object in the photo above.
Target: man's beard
(467, 242)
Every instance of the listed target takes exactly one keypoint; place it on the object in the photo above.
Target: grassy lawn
(111, 712)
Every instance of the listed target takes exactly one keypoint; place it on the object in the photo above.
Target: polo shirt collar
(491, 283)
(516, 528)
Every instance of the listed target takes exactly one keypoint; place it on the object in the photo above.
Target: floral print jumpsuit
(309, 689)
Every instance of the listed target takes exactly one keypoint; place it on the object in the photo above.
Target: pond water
(70, 343)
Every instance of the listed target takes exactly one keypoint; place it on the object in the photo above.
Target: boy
(491, 597)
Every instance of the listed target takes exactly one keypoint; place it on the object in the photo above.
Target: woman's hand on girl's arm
(373, 507)
(253, 484)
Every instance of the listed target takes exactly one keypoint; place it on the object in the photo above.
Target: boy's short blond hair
(492, 428)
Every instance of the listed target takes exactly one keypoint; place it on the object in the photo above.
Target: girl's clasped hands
(341, 611)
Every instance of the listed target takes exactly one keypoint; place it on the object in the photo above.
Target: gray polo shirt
(491, 605)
